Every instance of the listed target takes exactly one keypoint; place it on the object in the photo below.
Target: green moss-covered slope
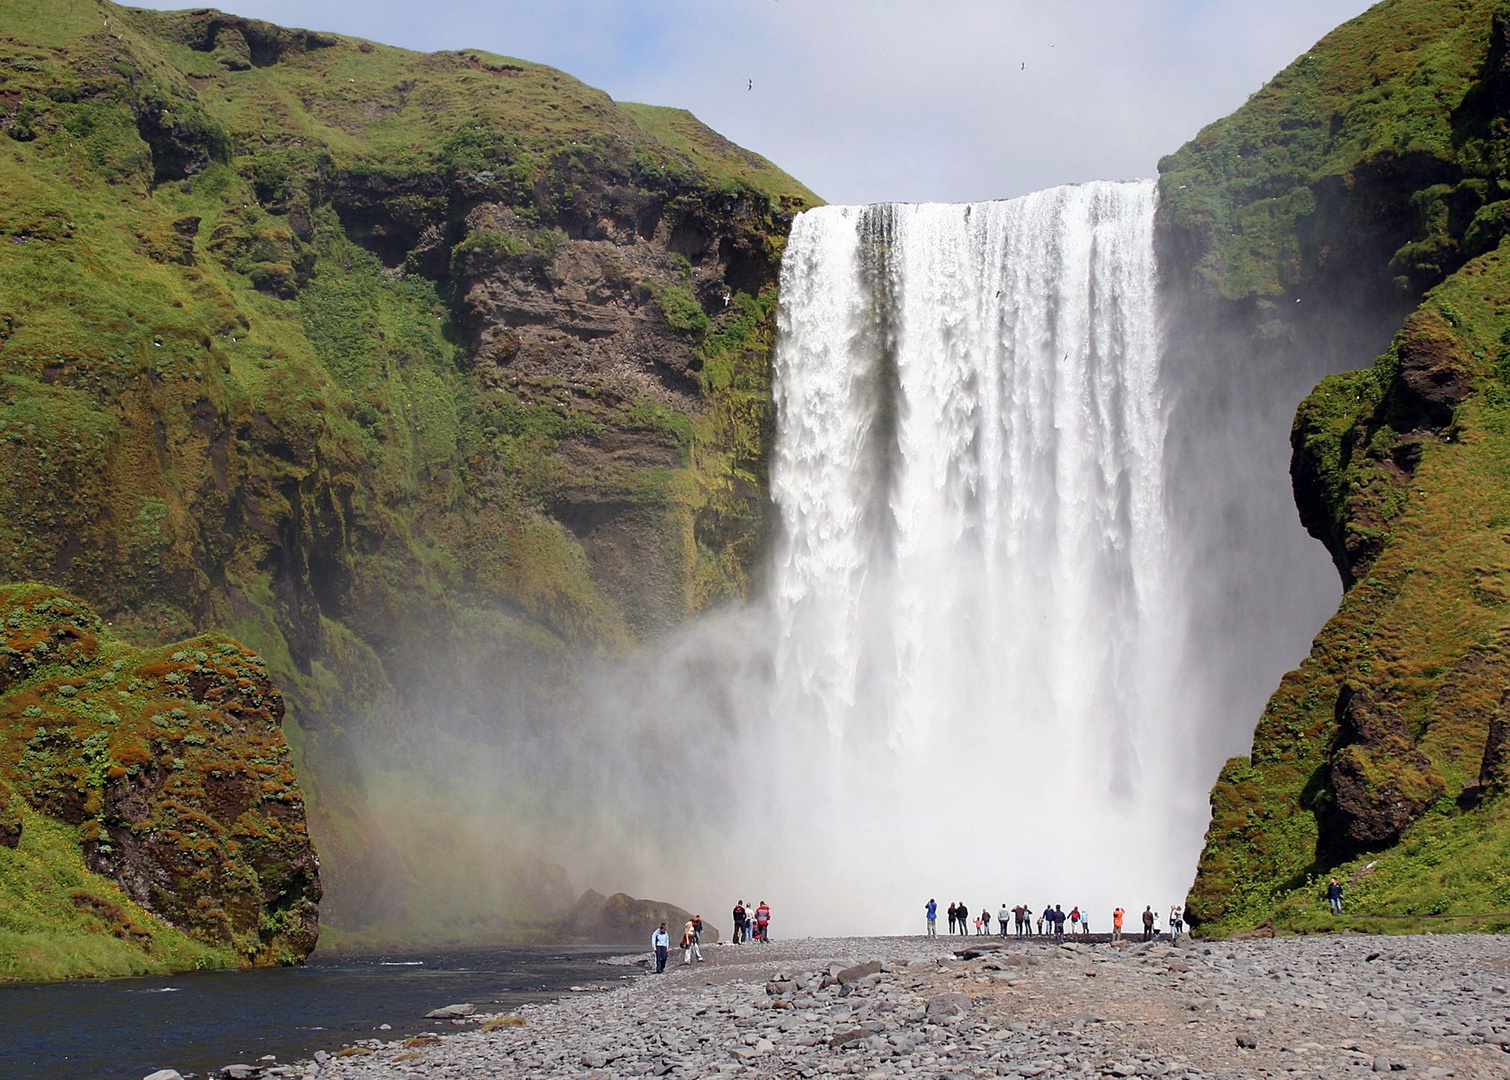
(150, 819)
(424, 375)
(1381, 155)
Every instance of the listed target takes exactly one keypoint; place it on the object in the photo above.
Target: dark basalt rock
(1380, 783)
(1433, 378)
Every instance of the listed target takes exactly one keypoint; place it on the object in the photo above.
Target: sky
(888, 100)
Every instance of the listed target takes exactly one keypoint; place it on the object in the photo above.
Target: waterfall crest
(973, 602)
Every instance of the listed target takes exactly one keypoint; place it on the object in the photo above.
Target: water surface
(124, 1029)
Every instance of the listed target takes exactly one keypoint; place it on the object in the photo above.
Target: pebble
(903, 1008)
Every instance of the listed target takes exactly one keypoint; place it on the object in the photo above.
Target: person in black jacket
(953, 915)
(1148, 923)
(741, 919)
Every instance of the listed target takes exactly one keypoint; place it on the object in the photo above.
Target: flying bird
(1024, 65)
(749, 84)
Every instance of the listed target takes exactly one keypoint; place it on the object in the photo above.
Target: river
(124, 1029)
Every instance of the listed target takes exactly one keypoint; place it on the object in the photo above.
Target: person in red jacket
(763, 922)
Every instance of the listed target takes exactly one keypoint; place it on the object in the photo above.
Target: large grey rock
(451, 1012)
(164, 1074)
(944, 1006)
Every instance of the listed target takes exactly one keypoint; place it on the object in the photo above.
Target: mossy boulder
(168, 769)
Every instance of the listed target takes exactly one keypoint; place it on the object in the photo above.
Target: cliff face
(423, 375)
(165, 773)
(1380, 158)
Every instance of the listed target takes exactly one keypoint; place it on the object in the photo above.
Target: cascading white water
(976, 616)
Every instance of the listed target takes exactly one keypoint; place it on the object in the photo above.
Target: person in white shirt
(660, 941)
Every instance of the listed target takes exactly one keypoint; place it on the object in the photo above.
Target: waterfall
(974, 604)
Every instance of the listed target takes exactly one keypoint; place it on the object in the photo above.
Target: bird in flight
(749, 84)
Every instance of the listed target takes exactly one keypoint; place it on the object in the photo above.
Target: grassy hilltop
(1374, 173)
(421, 375)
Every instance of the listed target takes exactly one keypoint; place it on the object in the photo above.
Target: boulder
(946, 1006)
(452, 1012)
(164, 1074)
(854, 974)
(622, 919)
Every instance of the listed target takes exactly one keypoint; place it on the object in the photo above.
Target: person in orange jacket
(1117, 924)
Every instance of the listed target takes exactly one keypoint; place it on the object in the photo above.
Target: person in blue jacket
(1334, 896)
(932, 907)
(660, 941)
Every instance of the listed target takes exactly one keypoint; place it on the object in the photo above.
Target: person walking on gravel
(1117, 924)
(763, 923)
(1001, 919)
(660, 941)
(740, 918)
(932, 907)
(1148, 921)
(690, 950)
(1334, 896)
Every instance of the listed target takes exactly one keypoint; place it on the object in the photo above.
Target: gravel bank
(898, 1007)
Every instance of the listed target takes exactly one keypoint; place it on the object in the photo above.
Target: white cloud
(891, 99)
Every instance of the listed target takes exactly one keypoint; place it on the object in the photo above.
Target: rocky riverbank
(897, 1007)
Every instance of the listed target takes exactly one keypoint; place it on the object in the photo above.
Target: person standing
(1117, 924)
(1074, 921)
(1085, 922)
(953, 911)
(740, 915)
(1046, 917)
(1334, 896)
(932, 907)
(763, 923)
(1020, 914)
(1001, 919)
(985, 921)
(1148, 921)
(964, 917)
(660, 941)
(1058, 917)
(1176, 922)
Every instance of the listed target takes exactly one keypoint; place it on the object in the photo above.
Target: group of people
(692, 936)
(1052, 917)
(751, 924)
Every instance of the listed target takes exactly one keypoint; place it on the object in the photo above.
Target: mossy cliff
(1375, 172)
(422, 375)
(149, 814)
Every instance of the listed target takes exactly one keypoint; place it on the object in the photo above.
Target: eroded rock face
(1380, 782)
(173, 765)
(1433, 377)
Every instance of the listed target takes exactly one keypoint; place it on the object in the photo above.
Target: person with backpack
(1148, 920)
(1074, 921)
(1020, 914)
(660, 941)
(932, 907)
(763, 923)
(1117, 924)
(740, 918)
